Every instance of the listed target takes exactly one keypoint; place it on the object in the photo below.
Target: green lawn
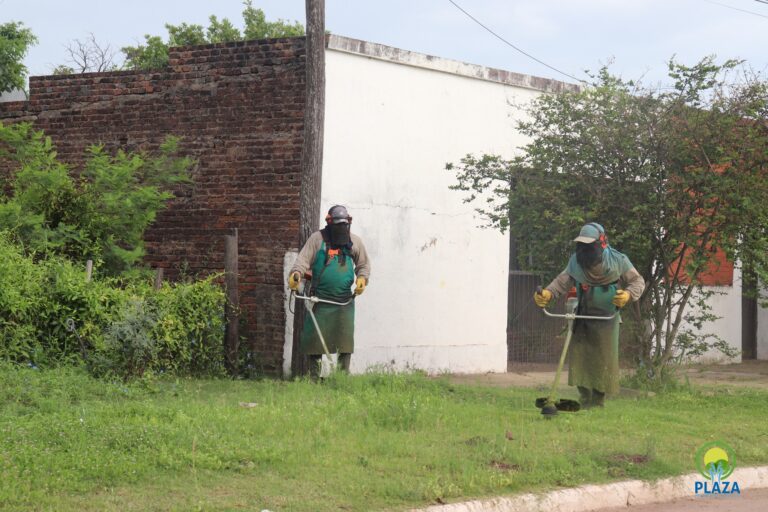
(372, 442)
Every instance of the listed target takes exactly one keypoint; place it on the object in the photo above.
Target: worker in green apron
(338, 260)
(605, 281)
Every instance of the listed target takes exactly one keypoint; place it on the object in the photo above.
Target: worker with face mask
(605, 280)
(337, 260)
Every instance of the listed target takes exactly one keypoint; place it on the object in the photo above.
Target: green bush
(129, 347)
(190, 328)
(177, 330)
(100, 215)
(122, 326)
(20, 296)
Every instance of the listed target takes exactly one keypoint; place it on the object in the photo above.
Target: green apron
(331, 281)
(594, 350)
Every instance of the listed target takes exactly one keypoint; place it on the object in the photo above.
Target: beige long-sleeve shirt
(307, 256)
(631, 280)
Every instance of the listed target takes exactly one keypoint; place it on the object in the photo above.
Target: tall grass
(370, 442)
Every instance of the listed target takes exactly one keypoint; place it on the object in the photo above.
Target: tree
(15, 41)
(153, 53)
(87, 56)
(674, 175)
(257, 26)
(100, 215)
(221, 31)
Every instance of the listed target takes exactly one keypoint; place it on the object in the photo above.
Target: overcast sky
(638, 36)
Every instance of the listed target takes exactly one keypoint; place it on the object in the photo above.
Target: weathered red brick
(240, 110)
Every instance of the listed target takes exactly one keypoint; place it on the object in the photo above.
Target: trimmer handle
(573, 316)
(313, 299)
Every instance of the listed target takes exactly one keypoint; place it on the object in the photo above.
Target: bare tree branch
(90, 56)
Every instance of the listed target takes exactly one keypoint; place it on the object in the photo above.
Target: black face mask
(588, 255)
(338, 234)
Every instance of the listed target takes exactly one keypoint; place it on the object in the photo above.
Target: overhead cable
(736, 8)
(513, 46)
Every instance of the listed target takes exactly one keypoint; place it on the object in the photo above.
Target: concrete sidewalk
(673, 492)
(751, 500)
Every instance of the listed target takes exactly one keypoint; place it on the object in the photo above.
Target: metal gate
(532, 337)
(749, 314)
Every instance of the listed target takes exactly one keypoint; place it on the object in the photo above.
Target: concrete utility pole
(312, 154)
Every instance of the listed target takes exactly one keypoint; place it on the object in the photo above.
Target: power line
(512, 45)
(736, 8)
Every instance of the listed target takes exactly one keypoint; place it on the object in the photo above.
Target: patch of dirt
(745, 374)
(625, 458)
(503, 466)
(618, 463)
(540, 376)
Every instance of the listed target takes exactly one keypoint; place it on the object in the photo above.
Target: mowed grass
(360, 443)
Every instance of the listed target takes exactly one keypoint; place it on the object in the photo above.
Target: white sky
(639, 36)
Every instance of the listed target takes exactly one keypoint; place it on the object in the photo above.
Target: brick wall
(240, 110)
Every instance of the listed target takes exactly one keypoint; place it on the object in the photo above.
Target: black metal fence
(532, 337)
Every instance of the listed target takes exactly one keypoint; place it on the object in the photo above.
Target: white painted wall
(727, 305)
(288, 260)
(437, 299)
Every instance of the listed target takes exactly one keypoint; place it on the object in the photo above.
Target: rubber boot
(315, 365)
(598, 398)
(345, 358)
(585, 397)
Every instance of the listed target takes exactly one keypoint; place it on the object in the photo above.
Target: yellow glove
(543, 298)
(621, 298)
(360, 285)
(293, 281)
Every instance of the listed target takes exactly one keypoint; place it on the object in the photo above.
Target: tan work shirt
(307, 256)
(631, 280)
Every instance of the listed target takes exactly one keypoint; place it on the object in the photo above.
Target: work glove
(293, 281)
(543, 298)
(360, 285)
(621, 298)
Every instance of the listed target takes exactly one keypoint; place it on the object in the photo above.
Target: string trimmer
(549, 405)
(311, 301)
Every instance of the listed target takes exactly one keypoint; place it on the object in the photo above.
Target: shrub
(129, 347)
(190, 328)
(122, 326)
(20, 295)
(101, 215)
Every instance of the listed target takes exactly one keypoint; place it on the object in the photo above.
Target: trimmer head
(550, 408)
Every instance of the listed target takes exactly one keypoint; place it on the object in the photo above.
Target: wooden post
(312, 152)
(88, 270)
(158, 278)
(232, 307)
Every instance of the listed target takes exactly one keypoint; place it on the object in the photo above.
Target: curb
(594, 497)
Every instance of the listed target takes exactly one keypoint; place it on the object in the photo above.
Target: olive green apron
(332, 280)
(594, 350)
